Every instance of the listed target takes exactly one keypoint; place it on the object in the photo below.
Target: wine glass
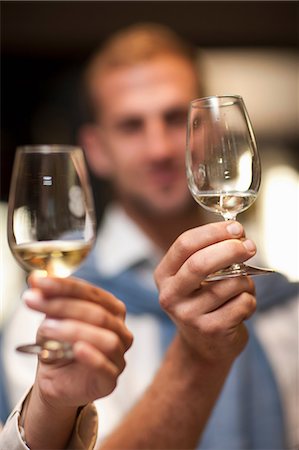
(51, 219)
(222, 163)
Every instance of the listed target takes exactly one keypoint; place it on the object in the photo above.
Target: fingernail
(234, 228)
(249, 245)
(51, 324)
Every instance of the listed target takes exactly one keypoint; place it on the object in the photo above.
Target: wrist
(195, 362)
(55, 422)
(51, 405)
(214, 350)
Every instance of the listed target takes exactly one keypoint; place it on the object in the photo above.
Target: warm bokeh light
(279, 220)
(266, 79)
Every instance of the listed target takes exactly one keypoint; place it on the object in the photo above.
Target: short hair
(135, 44)
(138, 43)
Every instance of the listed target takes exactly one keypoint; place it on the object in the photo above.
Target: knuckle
(112, 385)
(122, 366)
(251, 303)
(102, 319)
(166, 297)
(130, 338)
(122, 308)
(247, 306)
(182, 244)
(164, 300)
(95, 292)
(113, 343)
(196, 265)
(158, 276)
(100, 363)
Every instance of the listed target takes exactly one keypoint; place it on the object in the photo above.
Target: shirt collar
(121, 243)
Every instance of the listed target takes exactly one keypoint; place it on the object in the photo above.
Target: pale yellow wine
(228, 205)
(56, 258)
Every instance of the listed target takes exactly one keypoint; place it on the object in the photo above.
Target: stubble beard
(150, 210)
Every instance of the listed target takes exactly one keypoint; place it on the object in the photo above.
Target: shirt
(83, 436)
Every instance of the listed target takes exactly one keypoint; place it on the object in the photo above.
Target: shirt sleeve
(83, 436)
(10, 436)
(85, 430)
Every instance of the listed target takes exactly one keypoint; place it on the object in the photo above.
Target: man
(211, 333)
(140, 85)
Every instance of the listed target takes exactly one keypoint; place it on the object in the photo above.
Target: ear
(89, 137)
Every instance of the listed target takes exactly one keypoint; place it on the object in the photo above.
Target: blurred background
(246, 48)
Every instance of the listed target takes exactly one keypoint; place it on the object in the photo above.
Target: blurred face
(142, 130)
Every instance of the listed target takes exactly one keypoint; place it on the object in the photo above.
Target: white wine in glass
(51, 219)
(223, 164)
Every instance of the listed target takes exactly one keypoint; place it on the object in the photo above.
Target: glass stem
(227, 217)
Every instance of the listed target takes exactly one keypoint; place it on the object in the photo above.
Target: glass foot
(238, 270)
(49, 351)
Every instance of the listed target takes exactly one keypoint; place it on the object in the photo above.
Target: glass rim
(48, 148)
(209, 101)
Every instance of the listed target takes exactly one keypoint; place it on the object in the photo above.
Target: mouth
(166, 176)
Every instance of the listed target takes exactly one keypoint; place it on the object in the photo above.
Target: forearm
(44, 426)
(174, 410)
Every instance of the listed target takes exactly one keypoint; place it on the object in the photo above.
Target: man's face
(143, 132)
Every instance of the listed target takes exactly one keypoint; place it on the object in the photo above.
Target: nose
(158, 140)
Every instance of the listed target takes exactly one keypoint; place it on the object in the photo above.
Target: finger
(88, 312)
(209, 298)
(196, 239)
(90, 356)
(204, 262)
(230, 315)
(75, 288)
(106, 372)
(211, 259)
(214, 295)
(105, 341)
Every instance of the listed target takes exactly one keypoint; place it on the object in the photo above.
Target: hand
(93, 321)
(209, 315)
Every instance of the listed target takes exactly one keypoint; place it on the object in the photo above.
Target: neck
(163, 230)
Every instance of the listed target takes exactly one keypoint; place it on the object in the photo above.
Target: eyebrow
(137, 120)
(175, 112)
(128, 121)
